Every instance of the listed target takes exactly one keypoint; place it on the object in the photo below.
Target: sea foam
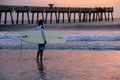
(73, 37)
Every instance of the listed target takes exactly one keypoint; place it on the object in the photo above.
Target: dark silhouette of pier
(73, 14)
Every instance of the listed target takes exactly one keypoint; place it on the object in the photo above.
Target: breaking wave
(87, 41)
(73, 37)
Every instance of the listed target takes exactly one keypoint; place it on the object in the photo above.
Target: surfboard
(52, 37)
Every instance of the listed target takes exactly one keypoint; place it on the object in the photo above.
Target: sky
(68, 3)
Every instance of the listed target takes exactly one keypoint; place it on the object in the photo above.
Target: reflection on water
(60, 65)
(41, 69)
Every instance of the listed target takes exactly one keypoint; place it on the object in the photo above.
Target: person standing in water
(41, 47)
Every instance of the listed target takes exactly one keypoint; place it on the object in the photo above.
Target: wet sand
(60, 65)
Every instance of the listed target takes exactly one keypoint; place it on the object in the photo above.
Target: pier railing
(59, 13)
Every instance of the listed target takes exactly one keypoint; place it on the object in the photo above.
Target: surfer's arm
(43, 35)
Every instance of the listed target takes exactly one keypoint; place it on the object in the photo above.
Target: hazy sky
(68, 3)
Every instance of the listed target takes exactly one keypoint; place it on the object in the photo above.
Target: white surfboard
(52, 37)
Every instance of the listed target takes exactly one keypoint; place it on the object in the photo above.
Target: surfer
(41, 47)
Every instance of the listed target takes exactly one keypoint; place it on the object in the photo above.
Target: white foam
(92, 37)
(7, 35)
(73, 37)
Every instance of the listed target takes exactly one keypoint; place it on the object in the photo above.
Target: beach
(91, 52)
(60, 65)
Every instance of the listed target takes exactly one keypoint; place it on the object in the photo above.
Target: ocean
(86, 35)
(91, 52)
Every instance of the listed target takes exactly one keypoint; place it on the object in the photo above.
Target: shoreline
(82, 45)
(60, 65)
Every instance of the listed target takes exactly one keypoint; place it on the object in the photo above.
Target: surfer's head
(40, 22)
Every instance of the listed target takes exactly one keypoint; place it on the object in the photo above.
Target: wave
(82, 45)
(92, 37)
(84, 41)
(74, 37)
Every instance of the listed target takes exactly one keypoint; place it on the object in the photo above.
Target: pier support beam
(46, 17)
(17, 17)
(57, 16)
(5, 18)
(112, 16)
(74, 17)
(79, 15)
(22, 17)
(37, 17)
(69, 17)
(50, 17)
(93, 16)
(101, 16)
(63, 19)
(32, 18)
(108, 16)
(105, 16)
(0, 17)
(28, 18)
(90, 17)
(11, 18)
(84, 17)
(43, 16)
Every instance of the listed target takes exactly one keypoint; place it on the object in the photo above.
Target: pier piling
(59, 14)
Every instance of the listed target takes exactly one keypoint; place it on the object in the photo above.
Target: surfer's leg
(41, 54)
(38, 53)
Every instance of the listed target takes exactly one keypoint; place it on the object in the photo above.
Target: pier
(19, 14)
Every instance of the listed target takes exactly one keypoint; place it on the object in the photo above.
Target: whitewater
(103, 35)
(86, 41)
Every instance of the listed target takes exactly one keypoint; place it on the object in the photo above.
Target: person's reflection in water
(41, 70)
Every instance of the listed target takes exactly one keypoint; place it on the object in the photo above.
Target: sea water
(89, 35)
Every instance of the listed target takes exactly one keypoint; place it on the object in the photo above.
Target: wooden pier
(58, 14)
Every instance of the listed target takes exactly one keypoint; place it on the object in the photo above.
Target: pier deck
(73, 14)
